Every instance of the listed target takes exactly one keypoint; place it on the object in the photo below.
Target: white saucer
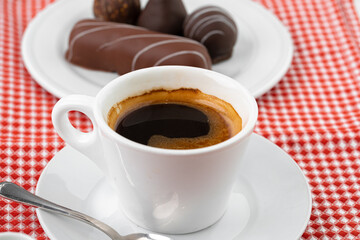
(261, 56)
(14, 236)
(271, 200)
(357, 7)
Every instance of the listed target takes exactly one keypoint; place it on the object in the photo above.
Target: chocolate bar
(122, 48)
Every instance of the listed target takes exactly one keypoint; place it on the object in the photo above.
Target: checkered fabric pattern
(313, 113)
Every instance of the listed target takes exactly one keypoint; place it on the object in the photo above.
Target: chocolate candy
(213, 27)
(122, 48)
(166, 16)
(123, 11)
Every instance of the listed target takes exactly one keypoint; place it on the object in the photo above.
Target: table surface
(313, 113)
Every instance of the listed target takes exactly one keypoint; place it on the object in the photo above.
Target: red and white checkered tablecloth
(313, 113)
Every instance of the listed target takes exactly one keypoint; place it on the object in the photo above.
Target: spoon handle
(16, 193)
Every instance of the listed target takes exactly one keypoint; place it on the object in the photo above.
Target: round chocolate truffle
(122, 11)
(213, 27)
(166, 16)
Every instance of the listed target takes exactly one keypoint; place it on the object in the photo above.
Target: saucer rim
(19, 235)
(308, 187)
(293, 162)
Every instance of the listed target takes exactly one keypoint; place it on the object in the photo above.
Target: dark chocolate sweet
(122, 48)
(166, 16)
(213, 27)
(122, 11)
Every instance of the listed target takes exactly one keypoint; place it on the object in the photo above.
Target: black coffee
(167, 120)
(175, 119)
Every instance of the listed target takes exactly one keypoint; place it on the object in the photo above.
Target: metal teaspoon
(14, 192)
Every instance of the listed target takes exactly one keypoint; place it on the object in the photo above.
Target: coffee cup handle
(89, 143)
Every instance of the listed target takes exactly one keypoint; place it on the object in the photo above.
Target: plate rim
(255, 135)
(57, 90)
(288, 55)
(27, 37)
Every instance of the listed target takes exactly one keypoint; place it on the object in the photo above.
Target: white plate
(271, 200)
(261, 56)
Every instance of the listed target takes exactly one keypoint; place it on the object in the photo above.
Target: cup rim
(246, 131)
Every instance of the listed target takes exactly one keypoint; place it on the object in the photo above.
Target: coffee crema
(175, 119)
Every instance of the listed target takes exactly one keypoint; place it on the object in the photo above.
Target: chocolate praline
(121, 48)
(122, 11)
(166, 16)
(214, 27)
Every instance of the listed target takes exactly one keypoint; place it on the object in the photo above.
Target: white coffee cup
(163, 190)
